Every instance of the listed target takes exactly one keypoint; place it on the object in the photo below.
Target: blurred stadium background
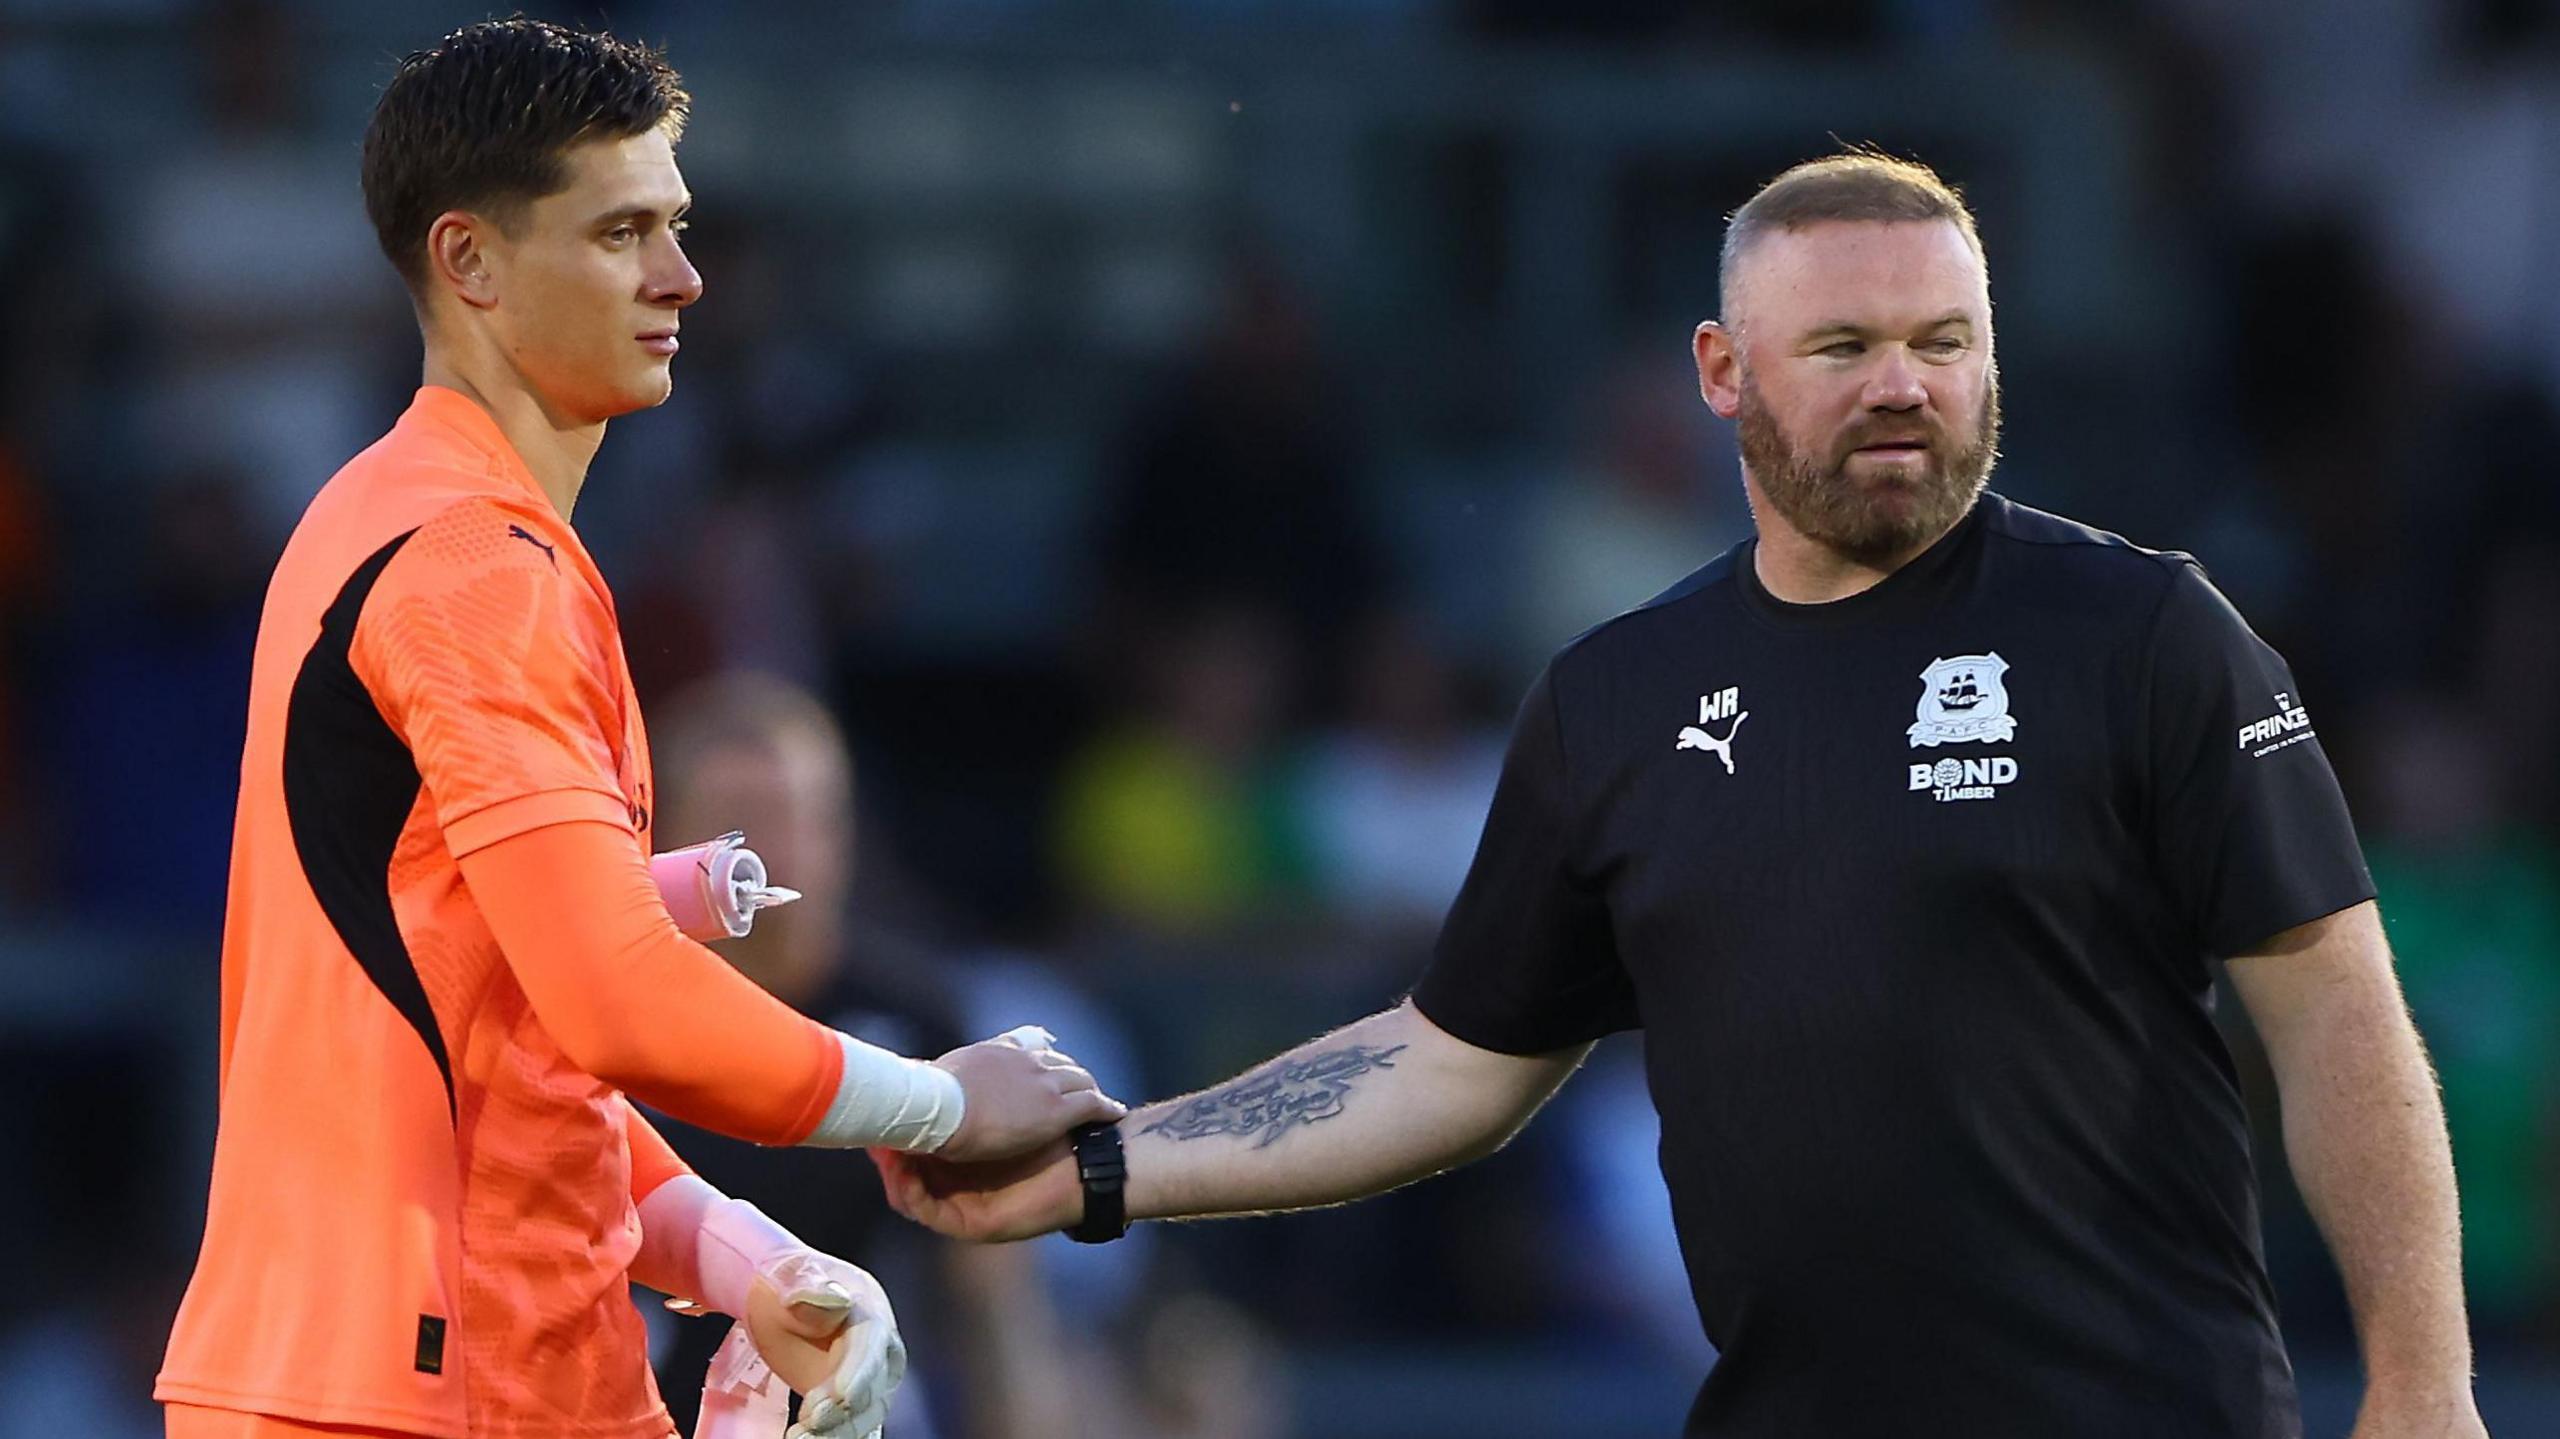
(1169, 435)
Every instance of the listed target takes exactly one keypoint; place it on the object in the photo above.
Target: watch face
(1099, 1156)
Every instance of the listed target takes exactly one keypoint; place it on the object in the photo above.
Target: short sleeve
(2248, 828)
(1526, 962)
(488, 654)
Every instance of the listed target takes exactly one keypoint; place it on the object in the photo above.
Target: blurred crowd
(1102, 578)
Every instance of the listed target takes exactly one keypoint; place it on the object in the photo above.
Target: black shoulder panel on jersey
(349, 784)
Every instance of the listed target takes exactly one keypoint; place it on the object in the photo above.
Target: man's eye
(1842, 349)
(678, 227)
(620, 234)
(1948, 346)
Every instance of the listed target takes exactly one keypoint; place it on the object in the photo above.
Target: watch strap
(1102, 1168)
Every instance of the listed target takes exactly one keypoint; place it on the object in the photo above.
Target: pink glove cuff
(713, 889)
(736, 1243)
(712, 1247)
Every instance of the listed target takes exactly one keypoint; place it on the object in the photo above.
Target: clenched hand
(1021, 1094)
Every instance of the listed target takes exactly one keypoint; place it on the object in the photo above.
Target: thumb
(814, 1305)
(818, 1316)
(901, 1174)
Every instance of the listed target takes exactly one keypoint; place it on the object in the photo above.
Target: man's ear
(1719, 355)
(460, 259)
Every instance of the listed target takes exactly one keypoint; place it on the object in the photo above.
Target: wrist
(2448, 1391)
(704, 1248)
(1064, 1206)
(890, 1101)
(2428, 1366)
(1102, 1175)
(735, 1243)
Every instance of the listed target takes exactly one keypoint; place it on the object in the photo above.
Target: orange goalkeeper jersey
(421, 1213)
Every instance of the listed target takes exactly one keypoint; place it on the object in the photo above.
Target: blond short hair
(1859, 185)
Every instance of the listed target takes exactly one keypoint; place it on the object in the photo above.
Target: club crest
(1962, 701)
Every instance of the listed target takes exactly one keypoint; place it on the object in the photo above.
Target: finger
(841, 1424)
(899, 1181)
(818, 1317)
(868, 1414)
(1026, 1037)
(828, 1298)
(846, 1423)
(855, 1398)
(1092, 1106)
(1070, 1082)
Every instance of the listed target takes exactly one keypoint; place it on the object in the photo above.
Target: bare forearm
(1366, 1108)
(1377, 1104)
(2365, 1132)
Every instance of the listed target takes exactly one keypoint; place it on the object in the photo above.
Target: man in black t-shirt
(1910, 834)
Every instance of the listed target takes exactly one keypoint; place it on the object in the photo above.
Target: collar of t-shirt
(460, 418)
(1907, 590)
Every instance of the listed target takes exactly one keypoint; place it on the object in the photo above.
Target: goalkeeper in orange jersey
(445, 963)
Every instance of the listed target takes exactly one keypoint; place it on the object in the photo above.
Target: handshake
(816, 1325)
(1020, 1095)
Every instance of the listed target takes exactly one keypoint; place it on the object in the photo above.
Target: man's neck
(1800, 570)
(554, 447)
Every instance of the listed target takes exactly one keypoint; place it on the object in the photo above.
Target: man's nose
(1895, 385)
(675, 283)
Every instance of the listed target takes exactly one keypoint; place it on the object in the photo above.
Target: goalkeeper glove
(808, 1320)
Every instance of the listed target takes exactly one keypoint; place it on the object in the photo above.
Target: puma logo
(1692, 737)
(520, 532)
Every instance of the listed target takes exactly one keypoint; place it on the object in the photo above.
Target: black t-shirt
(1915, 896)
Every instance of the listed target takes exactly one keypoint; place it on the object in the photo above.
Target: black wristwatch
(1104, 1172)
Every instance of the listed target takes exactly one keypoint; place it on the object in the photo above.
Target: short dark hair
(1859, 184)
(482, 121)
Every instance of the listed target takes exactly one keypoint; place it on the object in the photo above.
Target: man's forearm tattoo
(1271, 1104)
